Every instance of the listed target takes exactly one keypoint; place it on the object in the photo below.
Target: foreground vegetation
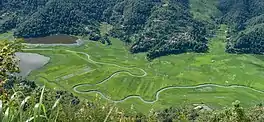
(39, 109)
(37, 104)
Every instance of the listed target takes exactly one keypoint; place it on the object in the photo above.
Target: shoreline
(79, 42)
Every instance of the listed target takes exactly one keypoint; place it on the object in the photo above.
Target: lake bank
(54, 40)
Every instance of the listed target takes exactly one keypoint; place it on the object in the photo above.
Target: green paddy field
(128, 80)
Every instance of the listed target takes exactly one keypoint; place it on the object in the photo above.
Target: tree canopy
(158, 27)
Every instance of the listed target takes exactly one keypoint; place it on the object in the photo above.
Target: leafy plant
(8, 62)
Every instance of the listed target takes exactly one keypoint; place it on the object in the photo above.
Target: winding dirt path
(157, 94)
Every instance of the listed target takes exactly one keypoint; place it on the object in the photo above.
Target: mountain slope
(171, 30)
(64, 16)
(158, 27)
(155, 24)
(247, 34)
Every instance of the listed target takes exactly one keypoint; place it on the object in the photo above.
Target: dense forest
(171, 30)
(245, 18)
(158, 27)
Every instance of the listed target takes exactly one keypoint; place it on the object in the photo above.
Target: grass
(45, 108)
(204, 9)
(7, 36)
(190, 69)
(105, 28)
(14, 109)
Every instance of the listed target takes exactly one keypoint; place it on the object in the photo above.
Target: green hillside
(158, 27)
(149, 22)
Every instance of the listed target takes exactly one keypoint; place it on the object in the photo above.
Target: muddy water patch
(53, 39)
(30, 61)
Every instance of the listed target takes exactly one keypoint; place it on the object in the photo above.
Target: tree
(8, 61)
(106, 39)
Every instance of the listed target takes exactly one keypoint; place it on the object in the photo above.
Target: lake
(54, 39)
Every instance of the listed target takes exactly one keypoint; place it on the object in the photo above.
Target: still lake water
(54, 39)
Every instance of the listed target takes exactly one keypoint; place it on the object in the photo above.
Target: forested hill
(170, 29)
(54, 16)
(159, 27)
(246, 20)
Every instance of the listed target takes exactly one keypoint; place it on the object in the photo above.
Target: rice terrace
(115, 75)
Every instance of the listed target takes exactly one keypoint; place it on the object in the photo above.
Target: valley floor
(111, 73)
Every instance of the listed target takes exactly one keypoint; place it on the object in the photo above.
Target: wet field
(54, 39)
